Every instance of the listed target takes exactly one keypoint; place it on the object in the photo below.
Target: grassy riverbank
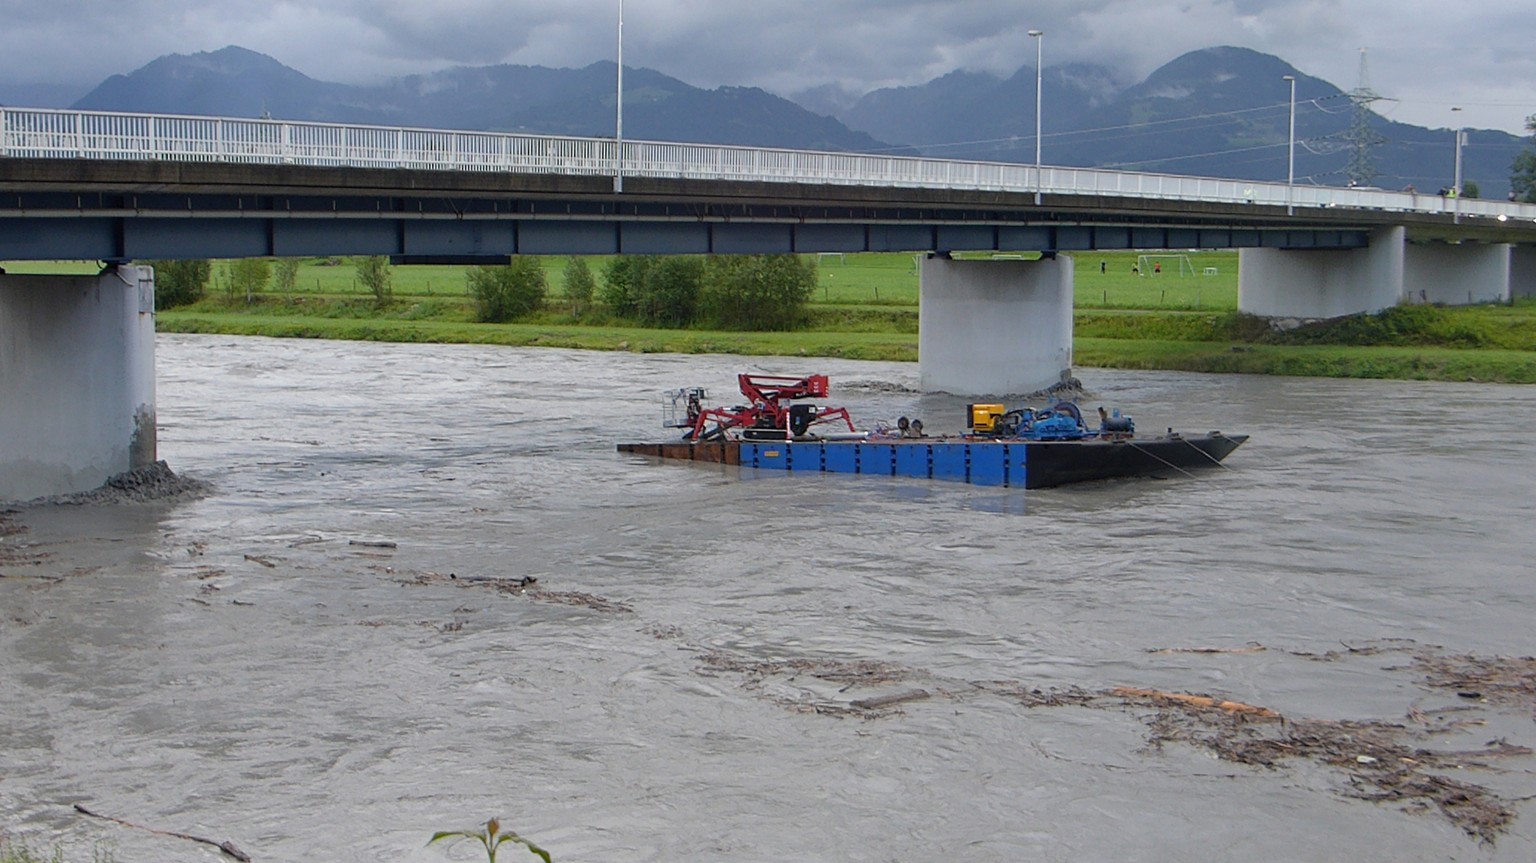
(853, 345)
(865, 307)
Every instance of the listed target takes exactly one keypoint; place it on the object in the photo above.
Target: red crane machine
(768, 415)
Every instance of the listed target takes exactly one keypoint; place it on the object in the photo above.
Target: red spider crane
(768, 414)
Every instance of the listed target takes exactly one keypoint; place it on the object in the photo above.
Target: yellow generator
(985, 419)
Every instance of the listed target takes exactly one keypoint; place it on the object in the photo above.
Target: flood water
(255, 666)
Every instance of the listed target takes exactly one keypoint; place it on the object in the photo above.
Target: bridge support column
(1307, 283)
(994, 327)
(1522, 272)
(77, 380)
(1456, 274)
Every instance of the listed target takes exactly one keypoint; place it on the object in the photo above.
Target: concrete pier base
(994, 328)
(77, 380)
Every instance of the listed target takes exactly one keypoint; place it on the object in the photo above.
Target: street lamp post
(1290, 168)
(618, 163)
(1460, 137)
(1456, 184)
(1039, 87)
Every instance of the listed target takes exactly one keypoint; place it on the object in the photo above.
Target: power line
(1172, 120)
(1254, 148)
(1140, 128)
(1517, 103)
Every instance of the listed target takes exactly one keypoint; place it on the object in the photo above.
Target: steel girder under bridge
(53, 209)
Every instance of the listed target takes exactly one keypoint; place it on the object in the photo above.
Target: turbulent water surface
(684, 680)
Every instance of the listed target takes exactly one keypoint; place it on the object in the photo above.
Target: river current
(332, 655)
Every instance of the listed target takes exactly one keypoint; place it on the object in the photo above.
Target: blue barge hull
(1011, 463)
(978, 463)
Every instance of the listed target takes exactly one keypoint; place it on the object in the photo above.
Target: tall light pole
(618, 165)
(1456, 185)
(1290, 159)
(1038, 35)
(1460, 135)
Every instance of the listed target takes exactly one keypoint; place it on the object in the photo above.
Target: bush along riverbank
(1492, 343)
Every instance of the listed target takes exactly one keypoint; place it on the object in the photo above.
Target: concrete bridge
(125, 187)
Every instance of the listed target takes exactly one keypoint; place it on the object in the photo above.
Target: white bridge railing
(56, 134)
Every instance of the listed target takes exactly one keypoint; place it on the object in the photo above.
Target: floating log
(1201, 701)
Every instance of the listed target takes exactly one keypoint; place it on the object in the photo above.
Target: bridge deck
(139, 186)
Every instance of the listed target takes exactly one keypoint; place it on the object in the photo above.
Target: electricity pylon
(1361, 168)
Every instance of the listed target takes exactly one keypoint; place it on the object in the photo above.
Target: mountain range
(235, 82)
(1219, 112)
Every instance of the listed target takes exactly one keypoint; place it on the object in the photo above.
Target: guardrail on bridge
(62, 134)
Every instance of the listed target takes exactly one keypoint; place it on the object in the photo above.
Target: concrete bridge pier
(991, 327)
(1522, 272)
(1318, 283)
(77, 380)
(1307, 283)
(1456, 274)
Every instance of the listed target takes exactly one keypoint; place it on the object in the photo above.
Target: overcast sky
(1430, 55)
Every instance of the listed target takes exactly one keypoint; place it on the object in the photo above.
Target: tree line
(737, 292)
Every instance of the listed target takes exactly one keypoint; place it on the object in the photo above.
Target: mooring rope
(1214, 460)
(1160, 458)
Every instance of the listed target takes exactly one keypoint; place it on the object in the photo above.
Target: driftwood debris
(1253, 647)
(1382, 761)
(499, 584)
(1201, 701)
(370, 543)
(1503, 680)
(226, 846)
(256, 558)
(880, 701)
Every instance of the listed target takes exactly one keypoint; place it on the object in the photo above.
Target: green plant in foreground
(12, 851)
(492, 837)
(22, 854)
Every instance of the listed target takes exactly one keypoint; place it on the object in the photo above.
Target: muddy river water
(334, 653)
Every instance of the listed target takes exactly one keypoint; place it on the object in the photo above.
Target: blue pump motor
(1057, 424)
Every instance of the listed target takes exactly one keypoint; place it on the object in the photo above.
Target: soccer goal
(1155, 264)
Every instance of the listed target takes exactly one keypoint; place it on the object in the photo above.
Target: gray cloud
(1478, 60)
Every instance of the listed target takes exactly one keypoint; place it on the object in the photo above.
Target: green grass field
(851, 345)
(1206, 282)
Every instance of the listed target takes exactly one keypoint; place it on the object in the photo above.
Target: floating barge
(1016, 463)
(1020, 448)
